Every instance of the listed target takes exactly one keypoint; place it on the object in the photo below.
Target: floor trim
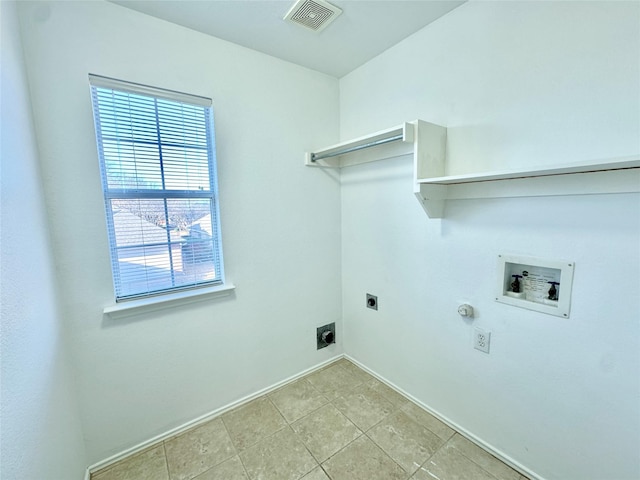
(103, 464)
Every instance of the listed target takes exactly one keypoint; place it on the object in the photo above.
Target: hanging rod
(316, 157)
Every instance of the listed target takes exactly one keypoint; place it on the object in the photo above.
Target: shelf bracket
(432, 198)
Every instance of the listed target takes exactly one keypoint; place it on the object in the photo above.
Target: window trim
(132, 87)
(162, 301)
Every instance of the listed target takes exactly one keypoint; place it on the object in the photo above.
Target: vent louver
(312, 14)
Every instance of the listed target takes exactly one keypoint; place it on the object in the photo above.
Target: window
(157, 159)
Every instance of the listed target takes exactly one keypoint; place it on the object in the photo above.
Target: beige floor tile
(197, 450)
(231, 469)
(427, 420)
(405, 441)
(389, 393)
(316, 474)
(249, 424)
(148, 465)
(281, 456)
(333, 381)
(297, 400)
(364, 407)
(449, 464)
(356, 371)
(363, 460)
(325, 432)
(487, 461)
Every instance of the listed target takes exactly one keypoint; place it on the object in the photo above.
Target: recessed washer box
(536, 284)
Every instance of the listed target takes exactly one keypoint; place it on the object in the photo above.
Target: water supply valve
(465, 310)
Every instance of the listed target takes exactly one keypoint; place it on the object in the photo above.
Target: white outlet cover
(481, 340)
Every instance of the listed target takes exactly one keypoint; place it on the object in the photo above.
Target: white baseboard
(215, 413)
(101, 465)
(463, 431)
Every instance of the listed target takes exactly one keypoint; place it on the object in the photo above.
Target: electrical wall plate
(372, 302)
(535, 284)
(481, 340)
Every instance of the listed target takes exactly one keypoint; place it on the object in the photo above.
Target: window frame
(187, 290)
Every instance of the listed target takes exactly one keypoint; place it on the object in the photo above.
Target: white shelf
(432, 187)
(614, 164)
(620, 175)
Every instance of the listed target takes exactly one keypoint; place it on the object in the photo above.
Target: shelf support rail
(316, 157)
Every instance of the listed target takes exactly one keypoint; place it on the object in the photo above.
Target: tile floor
(338, 423)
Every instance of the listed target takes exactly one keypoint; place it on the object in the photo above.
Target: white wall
(517, 84)
(40, 419)
(280, 220)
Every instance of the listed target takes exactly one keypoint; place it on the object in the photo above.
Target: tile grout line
(331, 402)
(410, 474)
(318, 464)
(325, 472)
(476, 463)
(235, 449)
(166, 460)
(363, 432)
(440, 448)
(128, 457)
(444, 445)
(290, 424)
(294, 433)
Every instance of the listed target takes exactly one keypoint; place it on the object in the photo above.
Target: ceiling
(365, 29)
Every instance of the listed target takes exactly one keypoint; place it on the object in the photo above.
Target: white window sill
(145, 305)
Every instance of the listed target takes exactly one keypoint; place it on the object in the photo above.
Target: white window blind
(157, 158)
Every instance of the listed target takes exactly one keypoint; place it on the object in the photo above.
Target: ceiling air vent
(313, 14)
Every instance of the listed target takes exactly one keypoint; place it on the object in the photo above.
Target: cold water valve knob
(465, 310)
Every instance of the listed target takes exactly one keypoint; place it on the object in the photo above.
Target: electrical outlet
(372, 302)
(481, 340)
